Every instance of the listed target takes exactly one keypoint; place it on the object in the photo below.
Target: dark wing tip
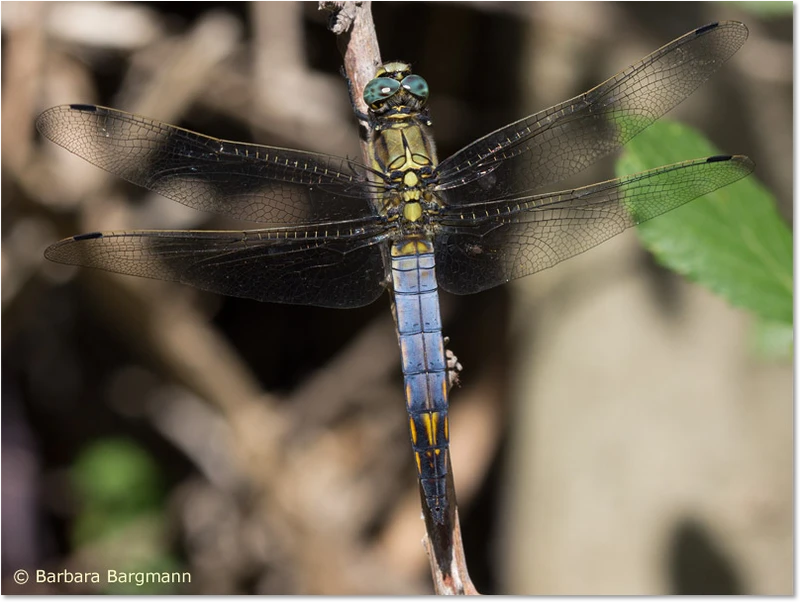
(745, 162)
(726, 24)
(705, 28)
(55, 251)
(718, 158)
(49, 120)
(85, 108)
(87, 236)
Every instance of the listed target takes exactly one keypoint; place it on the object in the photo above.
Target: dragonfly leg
(363, 117)
(453, 365)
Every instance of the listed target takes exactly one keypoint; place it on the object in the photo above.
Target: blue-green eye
(416, 86)
(379, 89)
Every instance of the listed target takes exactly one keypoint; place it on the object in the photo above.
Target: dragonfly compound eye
(416, 86)
(380, 89)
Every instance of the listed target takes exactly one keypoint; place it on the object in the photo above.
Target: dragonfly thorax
(405, 153)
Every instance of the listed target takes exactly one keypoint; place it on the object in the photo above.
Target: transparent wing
(486, 244)
(245, 181)
(339, 265)
(563, 140)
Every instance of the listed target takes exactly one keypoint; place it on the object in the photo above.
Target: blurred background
(616, 431)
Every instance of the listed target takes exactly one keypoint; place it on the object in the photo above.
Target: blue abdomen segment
(419, 328)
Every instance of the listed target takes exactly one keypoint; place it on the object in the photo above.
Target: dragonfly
(339, 233)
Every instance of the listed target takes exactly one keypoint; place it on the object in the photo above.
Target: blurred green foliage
(766, 10)
(116, 482)
(120, 517)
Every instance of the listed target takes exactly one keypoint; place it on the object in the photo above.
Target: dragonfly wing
(563, 140)
(245, 181)
(486, 244)
(338, 266)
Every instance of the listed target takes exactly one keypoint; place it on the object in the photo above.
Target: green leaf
(731, 241)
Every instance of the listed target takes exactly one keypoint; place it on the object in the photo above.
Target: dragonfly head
(396, 91)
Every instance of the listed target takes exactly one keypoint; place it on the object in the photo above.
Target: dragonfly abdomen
(419, 329)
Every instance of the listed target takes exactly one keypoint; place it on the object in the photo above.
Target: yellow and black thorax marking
(406, 155)
(401, 141)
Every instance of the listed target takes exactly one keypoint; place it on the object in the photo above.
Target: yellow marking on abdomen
(419, 462)
(413, 428)
(410, 247)
(426, 418)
